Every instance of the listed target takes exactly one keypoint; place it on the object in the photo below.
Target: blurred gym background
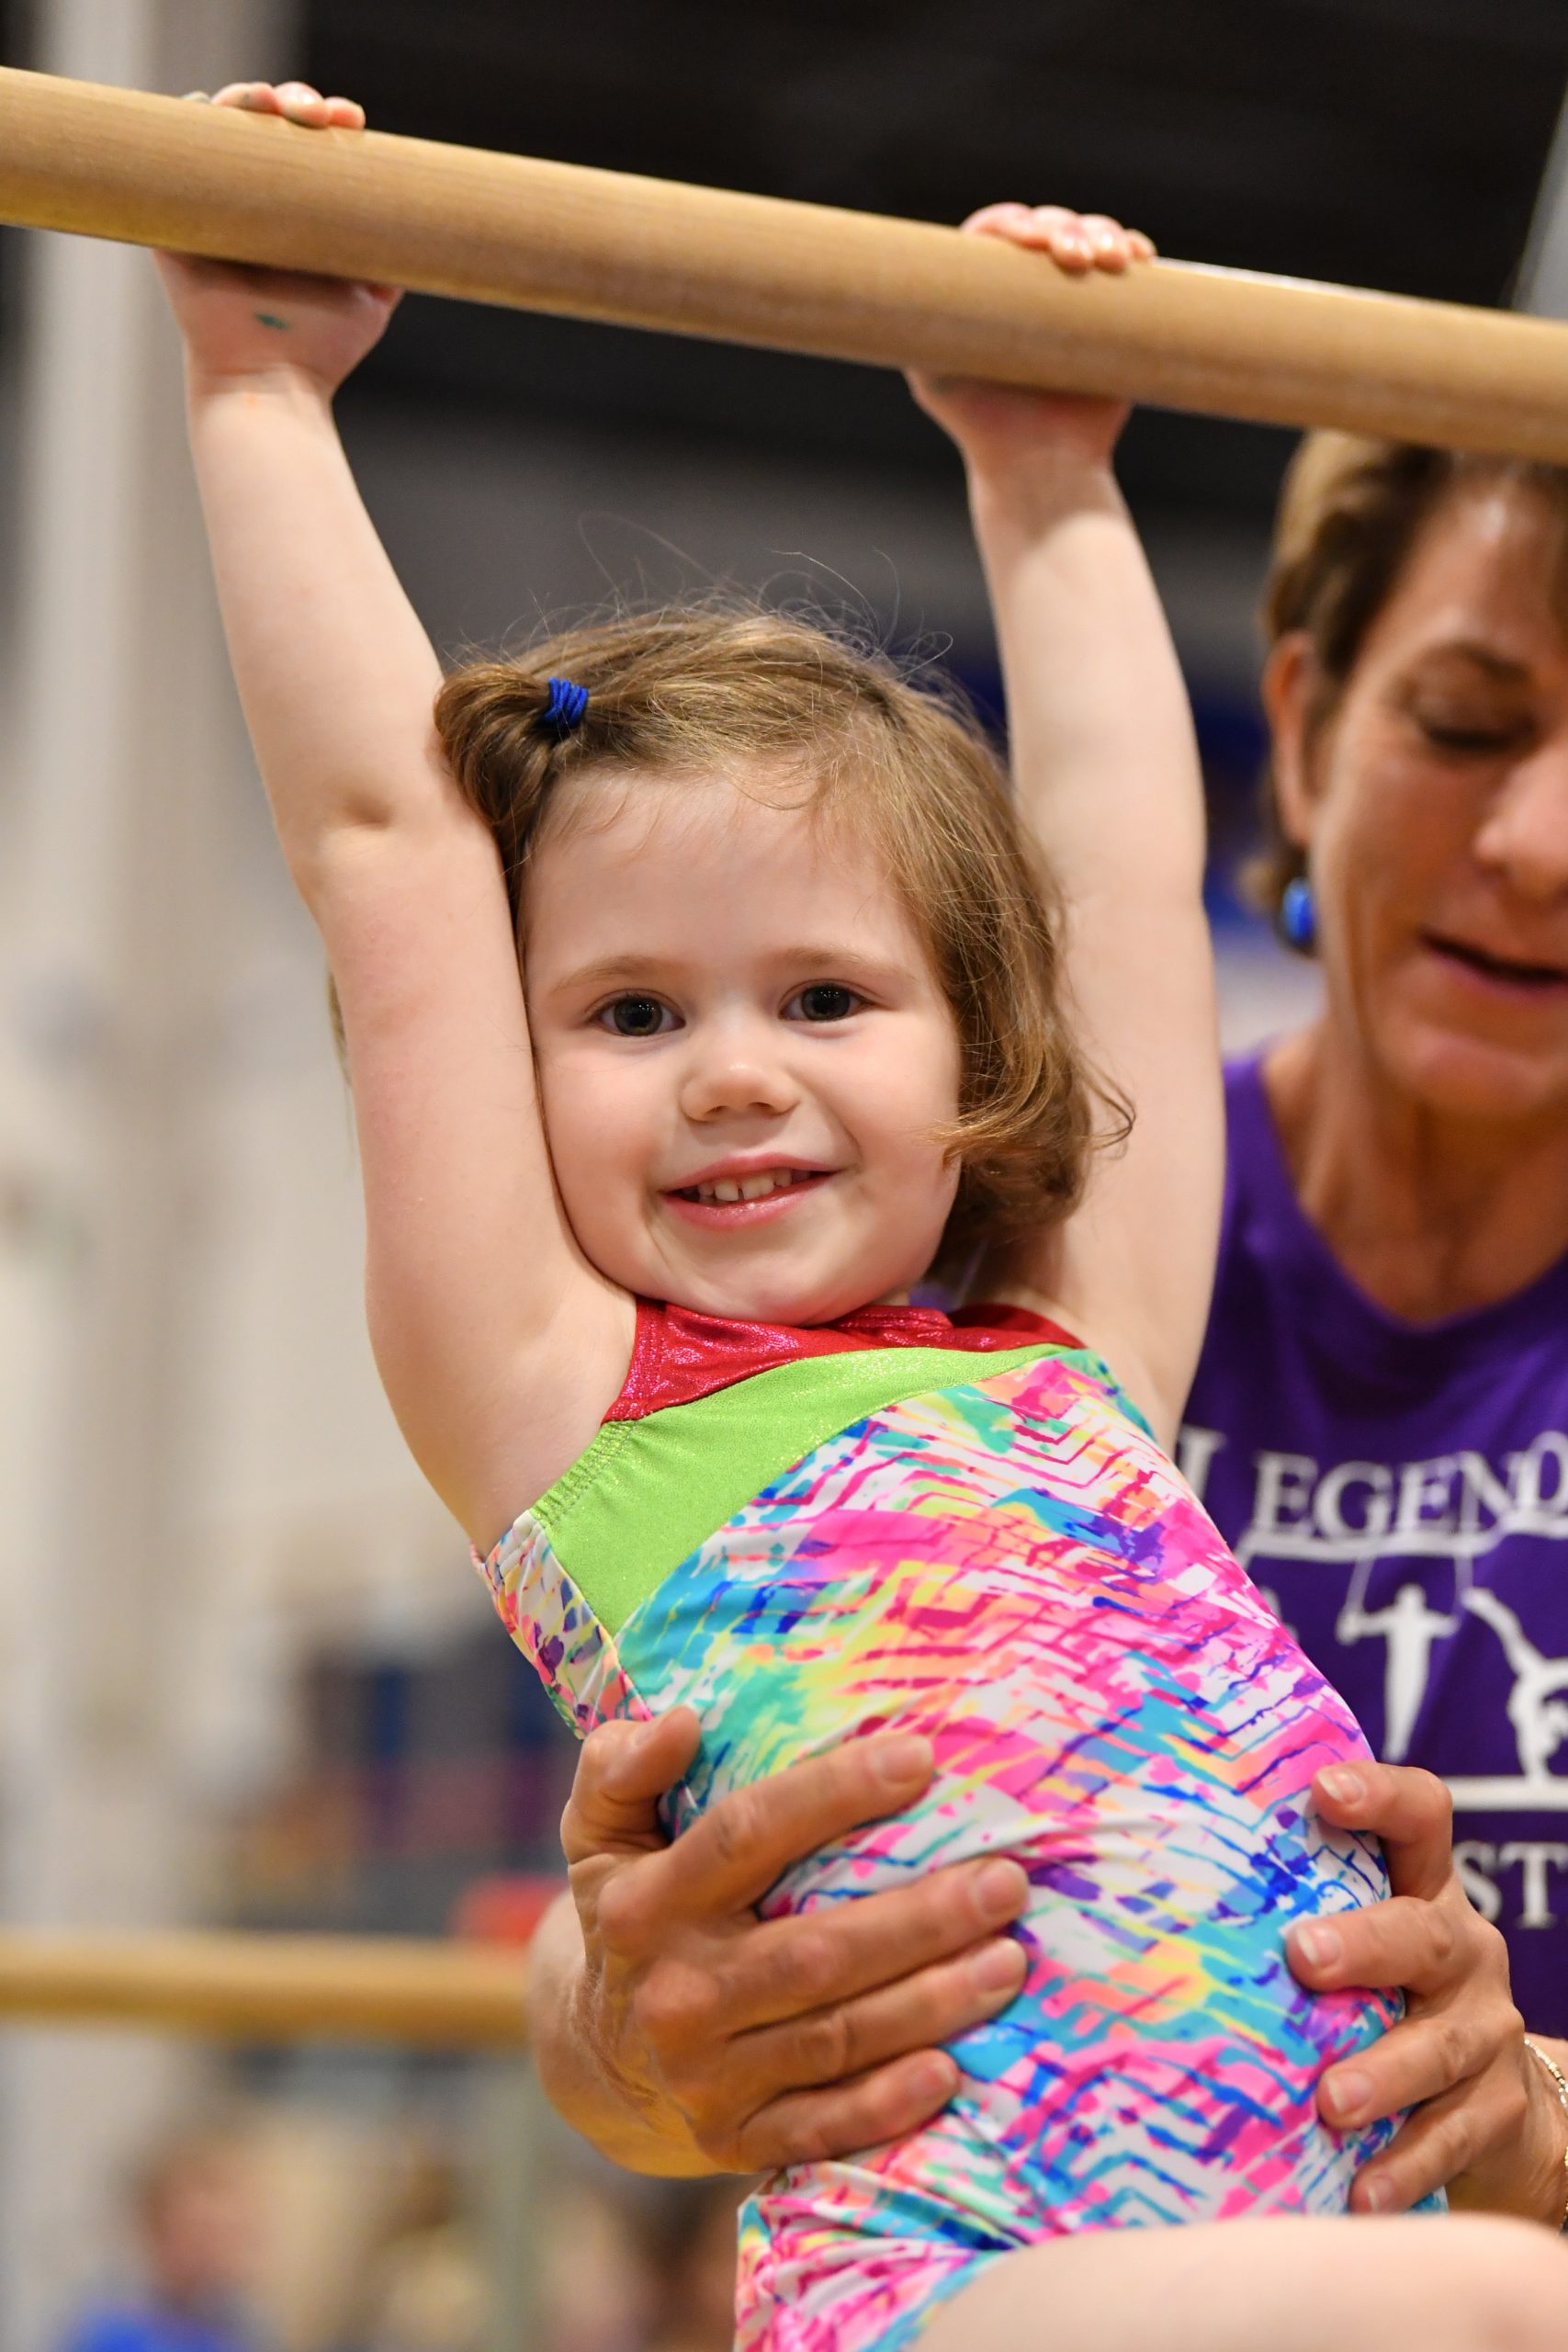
(246, 1676)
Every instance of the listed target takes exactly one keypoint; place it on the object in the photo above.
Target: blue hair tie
(563, 712)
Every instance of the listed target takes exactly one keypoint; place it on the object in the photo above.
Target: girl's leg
(1466, 2283)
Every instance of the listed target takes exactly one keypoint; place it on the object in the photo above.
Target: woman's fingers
(846, 2038)
(622, 1771)
(1418, 1943)
(1425, 2058)
(1441, 2140)
(1457, 2060)
(843, 1949)
(806, 2126)
(1409, 1811)
(729, 1858)
(785, 2037)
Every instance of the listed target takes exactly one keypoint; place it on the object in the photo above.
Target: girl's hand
(1486, 2122)
(740, 2044)
(238, 321)
(994, 425)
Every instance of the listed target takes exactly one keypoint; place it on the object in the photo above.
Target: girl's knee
(1502, 2284)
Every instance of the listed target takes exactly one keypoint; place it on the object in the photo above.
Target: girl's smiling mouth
(741, 1193)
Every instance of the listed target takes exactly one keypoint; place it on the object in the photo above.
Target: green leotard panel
(682, 1472)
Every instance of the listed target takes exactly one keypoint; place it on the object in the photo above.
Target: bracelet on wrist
(1560, 2086)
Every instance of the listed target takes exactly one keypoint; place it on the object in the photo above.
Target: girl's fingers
(257, 97)
(1075, 242)
(998, 220)
(1064, 236)
(299, 102)
(1110, 245)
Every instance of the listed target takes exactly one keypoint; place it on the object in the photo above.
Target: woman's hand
(692, 2036)
(1485, 2122)
(997, 425)
(238, 321)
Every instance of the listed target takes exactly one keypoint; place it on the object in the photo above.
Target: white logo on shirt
(1409, 1626)
(1452, 1511)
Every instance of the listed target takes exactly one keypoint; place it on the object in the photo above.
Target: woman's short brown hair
(1350, 511)
(770, 698)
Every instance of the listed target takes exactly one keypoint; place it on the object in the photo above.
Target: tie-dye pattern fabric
(1008, 1563)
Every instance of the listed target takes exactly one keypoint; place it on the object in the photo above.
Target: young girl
(643, 1232)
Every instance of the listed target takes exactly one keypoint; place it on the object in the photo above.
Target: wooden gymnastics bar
(269, 1988)
(595, 244)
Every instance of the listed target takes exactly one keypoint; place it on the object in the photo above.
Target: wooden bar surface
(269, 1988)
(752, 270)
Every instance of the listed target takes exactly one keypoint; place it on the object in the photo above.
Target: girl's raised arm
(1107, 773)
(499, 1346)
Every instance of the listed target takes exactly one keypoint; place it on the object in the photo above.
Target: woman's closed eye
(824, 1001)
(635, 1015)
(1471, 735)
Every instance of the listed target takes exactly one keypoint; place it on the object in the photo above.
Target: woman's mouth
(1512, 976)
(746, 1196)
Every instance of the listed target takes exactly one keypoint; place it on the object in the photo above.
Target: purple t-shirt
(1400, 1493)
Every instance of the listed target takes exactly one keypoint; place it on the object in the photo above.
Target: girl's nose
(734, 1072)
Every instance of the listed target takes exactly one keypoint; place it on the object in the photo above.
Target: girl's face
(1433, 801)
(742, 1051)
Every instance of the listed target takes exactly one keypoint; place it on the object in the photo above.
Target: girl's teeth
(746, 1188)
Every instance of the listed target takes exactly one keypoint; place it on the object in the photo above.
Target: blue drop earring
(1298, 915)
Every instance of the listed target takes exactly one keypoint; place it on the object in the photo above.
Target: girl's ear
(1290, 688)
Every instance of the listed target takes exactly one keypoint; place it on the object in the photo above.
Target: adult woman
(1395, 1268)
(1392, 1464)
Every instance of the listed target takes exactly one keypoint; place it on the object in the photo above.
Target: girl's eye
(824, 1001)
(636, 1016)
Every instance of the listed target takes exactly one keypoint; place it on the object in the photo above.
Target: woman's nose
(1524, 834)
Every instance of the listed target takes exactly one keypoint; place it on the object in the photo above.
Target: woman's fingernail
(902, 1760)
(999, 1968)
(1379, 2196)
(1343, 1786)
(936, 2076)
(1348, 2093)
(1001, 1889)
(1318, 1945)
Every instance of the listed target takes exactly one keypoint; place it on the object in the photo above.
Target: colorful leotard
(966, 1530)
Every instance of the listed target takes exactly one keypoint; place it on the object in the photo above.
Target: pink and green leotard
(963, 1528)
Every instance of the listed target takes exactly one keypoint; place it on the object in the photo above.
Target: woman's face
(1433, 804)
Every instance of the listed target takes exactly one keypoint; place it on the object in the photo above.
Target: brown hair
(1350, 511)
(742, 688)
